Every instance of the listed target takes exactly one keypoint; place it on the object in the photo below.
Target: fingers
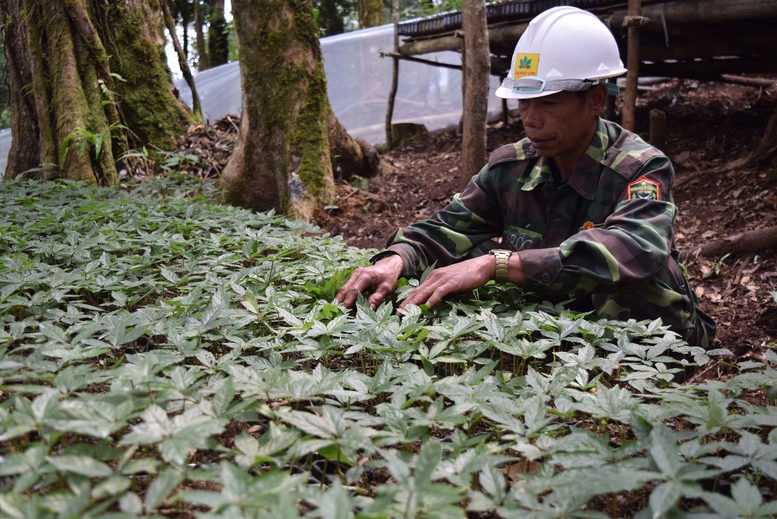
(379, 295)
(429, 293)
(380, 278)
(453, 279)
(357, 283)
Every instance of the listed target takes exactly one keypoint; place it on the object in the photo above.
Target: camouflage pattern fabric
(605, 234)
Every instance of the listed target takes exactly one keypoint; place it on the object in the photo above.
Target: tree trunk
(218, 37)
(477, 68)
(370, 13)
(187, 73)
(282, 158)
(185, 10)
(81, 72)
(283, 137)
(329, 19)
(202, 52)
(350, 156)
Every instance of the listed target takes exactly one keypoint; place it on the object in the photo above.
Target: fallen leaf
(699, 291)
(682, 157)
(514, 471)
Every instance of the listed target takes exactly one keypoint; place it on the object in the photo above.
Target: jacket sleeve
(621, 256)
(461, 230)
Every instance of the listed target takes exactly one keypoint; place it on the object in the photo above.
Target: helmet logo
(525, 65)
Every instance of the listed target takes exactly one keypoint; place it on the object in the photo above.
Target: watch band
(502, 259)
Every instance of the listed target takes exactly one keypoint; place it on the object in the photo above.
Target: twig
(233, 124)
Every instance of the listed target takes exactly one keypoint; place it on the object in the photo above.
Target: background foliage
(160, 355)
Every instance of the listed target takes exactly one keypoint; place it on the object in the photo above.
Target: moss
(371, 13)
(149, 107)
(286, 110)
(310, 138)
(300, 105)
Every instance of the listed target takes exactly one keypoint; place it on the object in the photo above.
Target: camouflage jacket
(607, 229)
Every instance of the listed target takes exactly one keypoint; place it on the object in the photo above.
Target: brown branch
(748, 81)
(187, 73)
(746, 242)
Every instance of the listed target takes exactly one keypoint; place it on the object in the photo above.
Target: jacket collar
(585, 177)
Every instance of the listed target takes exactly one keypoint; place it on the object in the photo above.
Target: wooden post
(632, 64)
(657, 128)
(394, 74)
(476, 73)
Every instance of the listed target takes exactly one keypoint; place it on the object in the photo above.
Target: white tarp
(358, 83)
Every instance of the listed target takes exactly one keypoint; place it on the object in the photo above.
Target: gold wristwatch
(502, 258)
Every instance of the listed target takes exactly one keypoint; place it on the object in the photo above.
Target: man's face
(561, 125)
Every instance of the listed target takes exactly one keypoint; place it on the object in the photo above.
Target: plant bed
(164, 356)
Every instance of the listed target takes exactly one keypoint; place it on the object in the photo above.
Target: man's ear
(597, 99)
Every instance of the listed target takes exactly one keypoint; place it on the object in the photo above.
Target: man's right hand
(380, 278)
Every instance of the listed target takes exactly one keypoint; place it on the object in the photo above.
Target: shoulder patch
(643, 189)
(629, 154)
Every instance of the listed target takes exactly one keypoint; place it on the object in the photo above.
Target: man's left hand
(458, 278)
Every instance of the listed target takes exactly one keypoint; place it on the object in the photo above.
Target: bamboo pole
(503, 36)
(632, 64)
(420, 60)
(394, 74)
(748, 81)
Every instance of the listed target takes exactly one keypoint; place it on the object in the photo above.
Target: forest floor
(708, 125)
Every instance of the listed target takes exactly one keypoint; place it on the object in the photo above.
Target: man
(582, 207)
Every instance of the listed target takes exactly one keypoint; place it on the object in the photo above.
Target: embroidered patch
(590, 225)
(643, 189)
(525, 65)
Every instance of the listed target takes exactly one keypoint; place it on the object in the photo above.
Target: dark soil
(708, 125)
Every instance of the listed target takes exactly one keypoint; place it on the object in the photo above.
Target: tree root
(746, 242)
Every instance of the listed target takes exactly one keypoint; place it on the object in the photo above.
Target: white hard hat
(564, 48)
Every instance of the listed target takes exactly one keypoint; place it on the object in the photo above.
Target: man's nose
(530, 116)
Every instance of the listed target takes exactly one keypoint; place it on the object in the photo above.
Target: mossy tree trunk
(283, 132)
(89, 80)
(370, 13)
(199, 21)
(218, 36)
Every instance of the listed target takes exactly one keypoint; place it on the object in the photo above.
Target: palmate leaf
(745, 501)
(174, 437)
(242, 491)
(334, 503)
(329, 425)
(614, 403)
(162, 486)
(82, 465)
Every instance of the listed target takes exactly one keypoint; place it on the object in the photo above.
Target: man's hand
(454, 279)
(381, 278)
